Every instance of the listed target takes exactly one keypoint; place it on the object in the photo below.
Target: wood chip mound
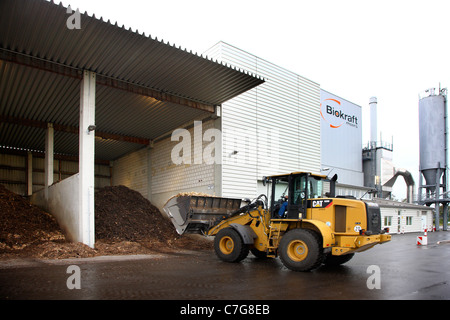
(124, 214)
(125, 223)
(23, 224)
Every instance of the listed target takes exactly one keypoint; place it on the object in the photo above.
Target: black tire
(301, 250)
(229, 246)
(331, 260)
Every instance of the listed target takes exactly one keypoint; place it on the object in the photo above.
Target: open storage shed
(93, 95)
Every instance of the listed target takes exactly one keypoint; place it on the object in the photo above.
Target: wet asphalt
(396, 270)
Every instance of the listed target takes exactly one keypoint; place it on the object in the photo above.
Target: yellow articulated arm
(241, 219)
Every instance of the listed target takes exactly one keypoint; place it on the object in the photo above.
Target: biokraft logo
(332, 113)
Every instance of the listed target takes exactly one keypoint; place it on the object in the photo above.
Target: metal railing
(378, 144)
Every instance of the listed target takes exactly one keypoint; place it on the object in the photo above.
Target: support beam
(56, 156)
(29, 173)
(218, 151)
(87, 159)
(149, 173)
(445, 217)
(49, 150)
(160, 95)
(436, 204)
(72, 129)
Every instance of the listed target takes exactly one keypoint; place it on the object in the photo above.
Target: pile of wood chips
(126, 223)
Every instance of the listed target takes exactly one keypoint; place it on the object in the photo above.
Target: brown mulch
(125, 223)
(124, 214)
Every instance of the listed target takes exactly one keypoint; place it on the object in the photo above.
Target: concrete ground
(396, 270)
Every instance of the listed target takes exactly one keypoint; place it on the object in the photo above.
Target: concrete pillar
(218, 150)
(149, 172)
(29, 174)
(49, 150)
(87, 159)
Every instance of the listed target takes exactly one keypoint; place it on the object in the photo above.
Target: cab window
(299, 189)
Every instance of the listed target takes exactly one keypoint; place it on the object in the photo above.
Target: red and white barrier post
(422, 240)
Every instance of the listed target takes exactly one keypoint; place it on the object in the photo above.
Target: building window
(387, 221)
(408, 221)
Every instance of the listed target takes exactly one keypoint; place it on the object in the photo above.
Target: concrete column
(218, 150)
(149, 172)
(49, 150)
(29, 174)
(87, 159)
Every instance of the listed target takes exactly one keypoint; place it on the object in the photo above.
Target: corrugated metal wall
(274, 128)
(166, 176)
(13, 172)
(132, 171)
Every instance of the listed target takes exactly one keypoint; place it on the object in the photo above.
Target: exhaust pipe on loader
(197, 214)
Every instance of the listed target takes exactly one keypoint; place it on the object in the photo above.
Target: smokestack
(373, 121)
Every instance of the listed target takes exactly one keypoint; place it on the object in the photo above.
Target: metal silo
(433, 152)
(432, 138)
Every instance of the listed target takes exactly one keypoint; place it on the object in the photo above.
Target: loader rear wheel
(301, 250)
(229, 246)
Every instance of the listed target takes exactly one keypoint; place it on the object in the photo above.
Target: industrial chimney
(373, 122)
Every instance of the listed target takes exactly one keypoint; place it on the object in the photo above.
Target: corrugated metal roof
(36, 29)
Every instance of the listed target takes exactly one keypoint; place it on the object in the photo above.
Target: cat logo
(317, 203)
(320, 203)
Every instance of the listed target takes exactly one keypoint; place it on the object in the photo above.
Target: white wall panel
(341, 146)
(168, 177)
(132, 171)
(280, 119)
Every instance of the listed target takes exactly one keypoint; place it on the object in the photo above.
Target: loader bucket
(197, 214)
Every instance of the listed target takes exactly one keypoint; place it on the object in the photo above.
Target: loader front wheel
(301, 250)
(229, 246)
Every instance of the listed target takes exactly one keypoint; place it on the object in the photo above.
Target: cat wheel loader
(302, 222)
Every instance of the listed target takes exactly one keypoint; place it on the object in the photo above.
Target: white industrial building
(271, 129)
(296, 126)
(367, 173)
(186, 123)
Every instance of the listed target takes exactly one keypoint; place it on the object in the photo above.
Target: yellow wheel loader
(302, 222)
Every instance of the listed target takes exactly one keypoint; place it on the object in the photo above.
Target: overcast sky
(355, 49)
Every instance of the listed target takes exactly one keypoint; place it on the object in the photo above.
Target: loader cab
(289, 193)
